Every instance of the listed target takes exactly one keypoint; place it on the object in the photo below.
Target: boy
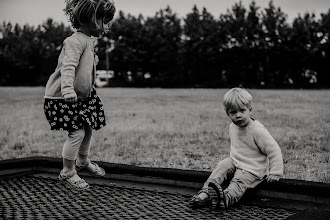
(254, 156)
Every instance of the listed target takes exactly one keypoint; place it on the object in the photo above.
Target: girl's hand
(96, 58)
(71, 97)
(272, 178)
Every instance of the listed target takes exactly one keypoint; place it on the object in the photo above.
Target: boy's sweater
(253, 149)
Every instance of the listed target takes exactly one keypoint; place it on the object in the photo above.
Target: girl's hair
(236, 97)
(89, 12)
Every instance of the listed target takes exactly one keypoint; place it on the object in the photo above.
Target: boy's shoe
(217, 195)
(198, 203)
(98, 171)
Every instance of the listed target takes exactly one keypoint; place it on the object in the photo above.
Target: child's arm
(269, 146)
(72, 52)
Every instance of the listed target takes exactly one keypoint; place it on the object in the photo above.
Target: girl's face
(240, 115)
(94, 30)
(104, 26)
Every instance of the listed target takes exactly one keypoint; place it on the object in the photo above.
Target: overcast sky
(34, 12)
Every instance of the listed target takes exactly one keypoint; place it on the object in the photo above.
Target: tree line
(245, 46)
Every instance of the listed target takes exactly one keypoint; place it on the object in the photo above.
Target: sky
(35, 12)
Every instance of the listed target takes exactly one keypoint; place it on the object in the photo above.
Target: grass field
(178, 128)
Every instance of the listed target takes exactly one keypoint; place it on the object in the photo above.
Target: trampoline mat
(30, 197)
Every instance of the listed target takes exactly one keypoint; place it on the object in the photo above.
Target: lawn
(175, 128)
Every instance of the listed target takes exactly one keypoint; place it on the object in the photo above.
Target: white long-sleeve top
(76, 68)
(253, 149)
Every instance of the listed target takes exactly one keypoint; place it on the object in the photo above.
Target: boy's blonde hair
(89, 12)
(236, 97)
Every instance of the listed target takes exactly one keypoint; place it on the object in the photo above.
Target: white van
(102, 77)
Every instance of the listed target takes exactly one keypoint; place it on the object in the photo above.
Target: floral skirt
(70, 116)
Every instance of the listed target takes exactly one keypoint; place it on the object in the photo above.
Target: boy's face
(240, 115)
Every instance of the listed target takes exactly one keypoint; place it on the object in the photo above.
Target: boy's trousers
(241, 181)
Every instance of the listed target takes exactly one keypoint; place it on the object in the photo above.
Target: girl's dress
(70, 116)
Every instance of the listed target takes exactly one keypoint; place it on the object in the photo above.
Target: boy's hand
(272, 178)
(72, 97)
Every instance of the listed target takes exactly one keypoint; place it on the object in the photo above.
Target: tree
(273, 43)
(128, 53)
(240, 52)
(200, 49)
(29, 54)
(162, 34)
(304, 43)
(243, 46)
(323, 51)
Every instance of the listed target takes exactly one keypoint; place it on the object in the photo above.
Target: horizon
(35, 12)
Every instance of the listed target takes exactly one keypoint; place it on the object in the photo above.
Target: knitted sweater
(253, 149)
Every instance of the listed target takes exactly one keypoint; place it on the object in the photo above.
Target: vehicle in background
(102, 77)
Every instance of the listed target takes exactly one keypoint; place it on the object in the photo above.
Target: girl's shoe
(74, 184)
(197, 203)
(98, 171)
(217, 195)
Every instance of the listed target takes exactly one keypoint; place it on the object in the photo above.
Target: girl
(71, 102)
